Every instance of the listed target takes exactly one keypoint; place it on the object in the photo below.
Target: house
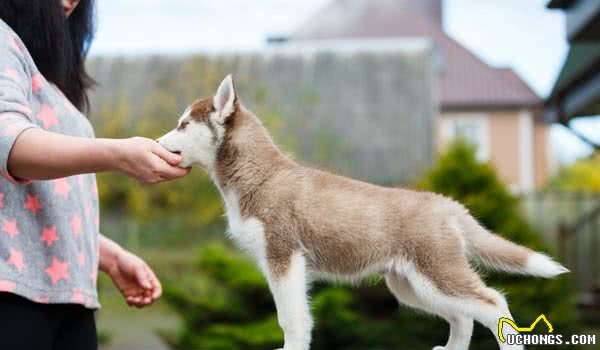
(491, 107)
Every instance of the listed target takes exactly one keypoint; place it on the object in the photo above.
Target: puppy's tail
(501, 254)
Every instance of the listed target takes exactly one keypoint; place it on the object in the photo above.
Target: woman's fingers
(142, 277)
(147, 161)
(170, 172)
(169, 157)
(156, 286)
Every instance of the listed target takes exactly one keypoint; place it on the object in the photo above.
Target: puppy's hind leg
(288, 285)
(461, 294)
(461, 327)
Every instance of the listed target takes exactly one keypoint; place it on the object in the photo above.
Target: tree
(583, 175)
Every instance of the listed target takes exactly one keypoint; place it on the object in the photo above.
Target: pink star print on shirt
(7, 286)
(10, 227)
(37, 83)
(81, 259)
(76, 224)
(32, 203)
(58, 270)
(47, 115)
(62, 187)
(16, 259)
(49, 235)
(77, 297)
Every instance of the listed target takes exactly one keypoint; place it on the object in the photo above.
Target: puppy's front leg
(288, 283)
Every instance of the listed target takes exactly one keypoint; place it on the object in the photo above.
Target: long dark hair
(57, 44)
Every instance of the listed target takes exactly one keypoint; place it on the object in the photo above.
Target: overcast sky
(521, 34)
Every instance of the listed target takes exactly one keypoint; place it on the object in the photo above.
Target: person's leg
(77, 330)
(25, 324)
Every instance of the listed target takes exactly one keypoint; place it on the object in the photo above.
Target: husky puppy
(300, 223)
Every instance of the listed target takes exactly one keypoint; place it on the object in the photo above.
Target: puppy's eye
(182, 125)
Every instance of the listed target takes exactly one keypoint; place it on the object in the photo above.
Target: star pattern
(49, 235)
(42, 300)
(62, 187)
(10, 227)
(37, 83)
(65, 215)
(58, 270)
(76, 225)
(77, 297)
(7, 286)
(32, 203)
(16, 259)
(94, 275)
(47, 115)
(81, 259)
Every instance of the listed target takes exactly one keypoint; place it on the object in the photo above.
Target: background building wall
(362, 110)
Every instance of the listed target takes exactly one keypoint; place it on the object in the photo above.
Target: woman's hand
(130, 274)
(42, 155)
(144, 159)
(134, 278)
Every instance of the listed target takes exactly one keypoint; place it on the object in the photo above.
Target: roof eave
(471, 107)
(559, 4)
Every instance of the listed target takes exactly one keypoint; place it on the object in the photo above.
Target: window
(473, 129)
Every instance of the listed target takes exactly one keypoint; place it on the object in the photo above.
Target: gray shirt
(48, 229)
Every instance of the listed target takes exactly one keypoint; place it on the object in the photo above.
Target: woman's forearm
(109, 252)
(40, 155)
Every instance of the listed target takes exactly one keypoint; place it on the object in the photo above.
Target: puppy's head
(201, 128)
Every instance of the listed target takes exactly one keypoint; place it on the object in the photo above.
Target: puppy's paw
(439, 348)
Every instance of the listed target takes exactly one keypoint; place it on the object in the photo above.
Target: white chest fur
(247, 233)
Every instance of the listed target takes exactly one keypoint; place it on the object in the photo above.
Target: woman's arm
(134, 278)
(40, 155)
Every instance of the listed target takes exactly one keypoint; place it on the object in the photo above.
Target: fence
(570, 222)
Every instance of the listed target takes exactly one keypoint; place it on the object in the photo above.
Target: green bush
(225, 303)
(459, 175)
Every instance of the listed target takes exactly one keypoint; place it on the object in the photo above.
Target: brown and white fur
(300, 223)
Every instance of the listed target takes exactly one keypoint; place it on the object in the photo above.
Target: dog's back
(299, 222)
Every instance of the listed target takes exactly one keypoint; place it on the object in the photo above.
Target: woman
(50, 247)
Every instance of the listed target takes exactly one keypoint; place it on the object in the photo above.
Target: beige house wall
(505, 146)
(541, 143)
(515, 144)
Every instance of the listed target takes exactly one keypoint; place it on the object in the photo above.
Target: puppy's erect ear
(225, 99)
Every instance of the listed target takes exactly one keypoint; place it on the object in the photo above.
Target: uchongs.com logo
(523, 336)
